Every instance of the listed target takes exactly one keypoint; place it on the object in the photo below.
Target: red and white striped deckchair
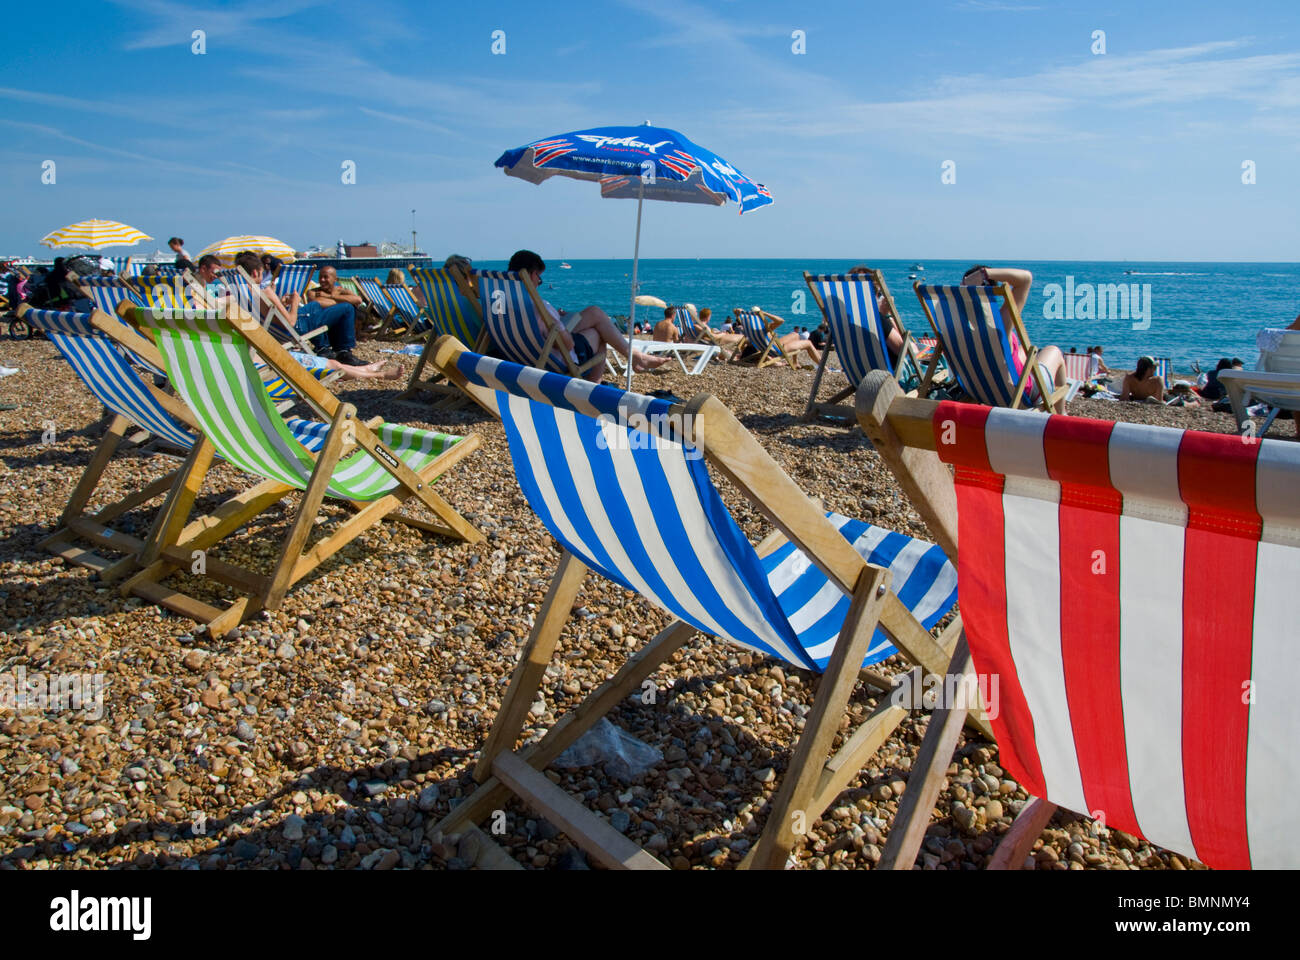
(1131, 590)
(1076, 366)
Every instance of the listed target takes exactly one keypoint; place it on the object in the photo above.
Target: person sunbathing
(1050, 359)
(587, 332)
(1142, 383)
(665, 330)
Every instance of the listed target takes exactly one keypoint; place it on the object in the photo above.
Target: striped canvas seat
(226, 394)
(1077, 365)
(375, 467)
(858, 329)
(514, 322)
(105, 367)
(452, 312)
(596, 494)
(968, 323)
(1128, 590)
(622, 481)
(754, 327)
(102, 356)
(685, 324)
(121, 265)
(1130, 698)
(1164, 371)
(107, 292)
(407, 311)
(293, 278)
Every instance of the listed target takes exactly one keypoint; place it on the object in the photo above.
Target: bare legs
(1050, 357)
(793, 343)
(600, 331)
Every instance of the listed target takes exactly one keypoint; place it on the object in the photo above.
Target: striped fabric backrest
(1128, 588)
(1163, 370)
(400, 296)
(1076, 365)
(293, 278)
(512, 320)
(453, 313)
(135, 268)
(968, 321)
(601, 491)
(208, 362)
(121, 265)
(857, 326)
(166, 269)
(754, 327)
(105, 369)
(108, 292)
(165, 292)
(373, 292)
(685, 323)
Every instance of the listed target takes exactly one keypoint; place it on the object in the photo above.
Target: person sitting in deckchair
(588, 331)
(208, 275)
(1096, 365)
(334, 310)
(1050, 359)
(1142, 383)
(665, 330)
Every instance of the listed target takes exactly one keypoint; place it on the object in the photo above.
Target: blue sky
(1060, 153)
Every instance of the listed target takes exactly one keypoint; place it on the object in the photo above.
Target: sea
(1193, 313)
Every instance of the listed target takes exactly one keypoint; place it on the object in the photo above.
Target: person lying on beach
(1142, 383)
(665, 330)
(587, 332)
(1050, 359)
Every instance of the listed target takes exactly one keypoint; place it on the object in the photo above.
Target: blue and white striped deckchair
(453, 309)
(977, 346)
(107, 292)
(759, 328)
(105, 352)
(293, 278)
(1164, 369)
(375, 466)
(685, 324)
(121, 265)
(372, 291)
(521, 327)
(859, 331)
(598, 465)
(407, 312)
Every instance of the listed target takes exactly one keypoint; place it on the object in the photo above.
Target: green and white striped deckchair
(375, 466)
(454, 309)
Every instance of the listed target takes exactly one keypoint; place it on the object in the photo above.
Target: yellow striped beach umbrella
(94, 234)
(229, 247)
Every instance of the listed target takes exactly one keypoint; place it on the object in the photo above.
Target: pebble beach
(336, 731)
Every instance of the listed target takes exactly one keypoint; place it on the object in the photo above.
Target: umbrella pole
(636, 256)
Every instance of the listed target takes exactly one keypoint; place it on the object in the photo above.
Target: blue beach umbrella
(643, 162)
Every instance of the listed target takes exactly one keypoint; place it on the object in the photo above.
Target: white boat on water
(565, 266)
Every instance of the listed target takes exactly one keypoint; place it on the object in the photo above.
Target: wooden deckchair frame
(445, 393)
(177, 540)
(902, 432)
(811, 782)
(1048, 394)
(412, 331)
(775, 351)
(835, 406)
